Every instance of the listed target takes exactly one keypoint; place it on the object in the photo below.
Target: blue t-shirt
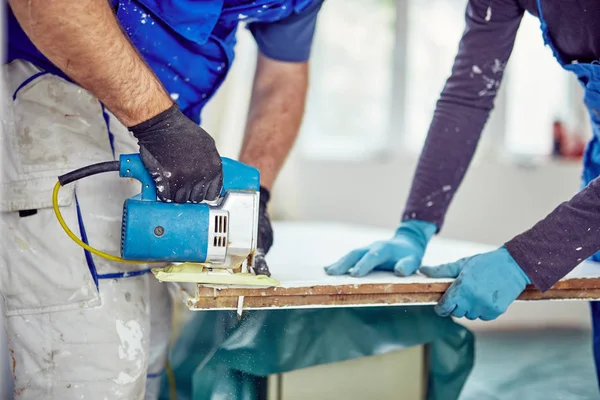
(190, 44)
(290, 38)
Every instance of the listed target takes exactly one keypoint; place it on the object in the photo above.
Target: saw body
(222, 234)
(219, 235)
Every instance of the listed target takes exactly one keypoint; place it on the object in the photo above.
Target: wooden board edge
(344, 300)
(371, 288)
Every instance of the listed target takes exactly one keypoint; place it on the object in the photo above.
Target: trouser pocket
(42, 270)
(50, 127)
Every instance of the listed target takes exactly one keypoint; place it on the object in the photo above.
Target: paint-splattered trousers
(78, 326)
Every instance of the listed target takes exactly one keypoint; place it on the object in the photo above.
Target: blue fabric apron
(188, 43)
(588, 75)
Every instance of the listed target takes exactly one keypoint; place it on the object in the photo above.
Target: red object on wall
(566, 144)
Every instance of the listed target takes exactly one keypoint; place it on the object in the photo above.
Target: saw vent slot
(220, 238)
(123, 227)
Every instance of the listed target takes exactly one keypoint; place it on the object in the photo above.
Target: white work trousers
(78, 327)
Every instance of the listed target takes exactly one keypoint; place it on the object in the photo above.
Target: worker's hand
(485, 285)
(402, 253)
(265, 235)
(181, 157)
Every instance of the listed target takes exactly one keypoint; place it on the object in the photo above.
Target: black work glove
(265, 235)
(181, 157)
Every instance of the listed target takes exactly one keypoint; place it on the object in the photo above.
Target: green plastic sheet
(218, 356)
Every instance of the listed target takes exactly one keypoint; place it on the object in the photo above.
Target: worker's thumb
(450, 270)
(407, 266)
(449, 301)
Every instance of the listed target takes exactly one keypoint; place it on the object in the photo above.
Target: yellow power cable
(171, 381)
(73, 237)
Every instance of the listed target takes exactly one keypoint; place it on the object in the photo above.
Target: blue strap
(26, 81)
(539, 6)
(155, 375)
(88, 255)
(544, 26)
(546, 35)
(111, 137)
(116, 275)
(90, 261)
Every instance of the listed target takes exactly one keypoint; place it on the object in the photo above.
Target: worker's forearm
(555, 245)
(84, 40)
(463, 107)
(275, 115)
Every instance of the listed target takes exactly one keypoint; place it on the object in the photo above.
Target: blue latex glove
(485, 285)
(401, 254)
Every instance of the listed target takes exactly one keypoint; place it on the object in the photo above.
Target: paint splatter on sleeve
(558, 243)
(463, 107)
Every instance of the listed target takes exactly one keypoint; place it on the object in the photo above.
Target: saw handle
(236, 175)
(131, 166)
(239, 176)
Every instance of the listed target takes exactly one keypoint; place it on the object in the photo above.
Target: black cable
(88, 171)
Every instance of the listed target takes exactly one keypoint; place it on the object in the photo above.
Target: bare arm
(276, 110)
(83, 38)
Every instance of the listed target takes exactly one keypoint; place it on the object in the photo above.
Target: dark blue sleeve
(289, 39)
(463, 107)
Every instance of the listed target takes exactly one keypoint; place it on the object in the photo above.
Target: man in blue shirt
(84, 82)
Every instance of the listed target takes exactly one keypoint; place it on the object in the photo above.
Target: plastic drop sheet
(218, 356)
(534, 365)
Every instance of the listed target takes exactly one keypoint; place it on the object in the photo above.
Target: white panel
(396, 375)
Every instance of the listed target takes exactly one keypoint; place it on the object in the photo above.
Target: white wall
(496, 201)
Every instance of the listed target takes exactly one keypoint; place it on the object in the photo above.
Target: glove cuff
(265, 196)
(422, 229)
(139, 129)
(519, 272)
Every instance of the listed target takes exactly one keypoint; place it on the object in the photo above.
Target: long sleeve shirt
(569, 234)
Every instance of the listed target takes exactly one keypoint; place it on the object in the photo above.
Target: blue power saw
(209, 243)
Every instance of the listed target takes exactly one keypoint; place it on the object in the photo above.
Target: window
(378, 68)
(348, 107)
(429, 59)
